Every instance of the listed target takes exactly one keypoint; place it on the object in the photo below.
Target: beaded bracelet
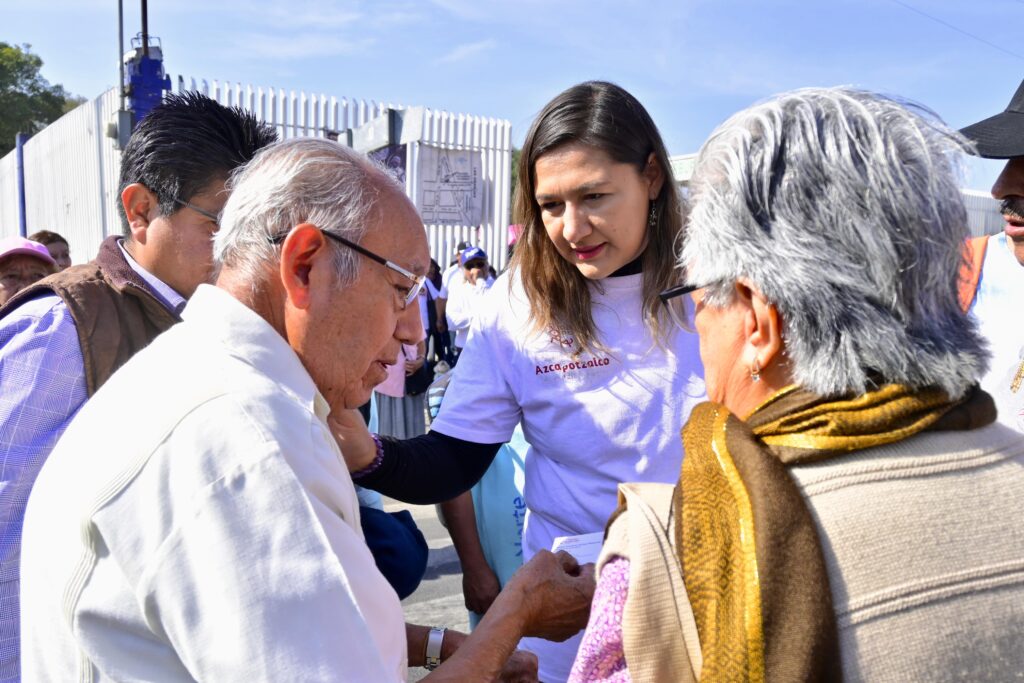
(377, 460)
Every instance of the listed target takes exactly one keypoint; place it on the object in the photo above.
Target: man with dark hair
(64, 336)
(996, 278)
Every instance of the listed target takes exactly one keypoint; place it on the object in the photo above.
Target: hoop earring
(652, 217)
(755, 374)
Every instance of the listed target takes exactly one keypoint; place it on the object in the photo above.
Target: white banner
(450, 186)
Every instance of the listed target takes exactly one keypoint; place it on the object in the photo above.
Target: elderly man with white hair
(197, 520)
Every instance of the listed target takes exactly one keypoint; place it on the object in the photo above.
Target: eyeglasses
(680, 306)
(202, 212)
(474, 264)
(417, 280)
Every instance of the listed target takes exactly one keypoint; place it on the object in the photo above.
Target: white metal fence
(983, 215)
(71, 167)
(71, 170)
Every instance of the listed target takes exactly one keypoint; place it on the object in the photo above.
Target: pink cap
(9, 246)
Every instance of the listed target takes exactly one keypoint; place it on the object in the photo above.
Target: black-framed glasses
(680, 306)
(201, 211)
(417, 280)
(475, 264)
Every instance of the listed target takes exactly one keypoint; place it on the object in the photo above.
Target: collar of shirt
(251, 339)
(174, 301)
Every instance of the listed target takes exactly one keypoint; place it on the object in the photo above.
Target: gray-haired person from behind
(847, 507)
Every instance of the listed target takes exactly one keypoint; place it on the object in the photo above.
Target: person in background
(486, 523)
(63, 337)
(58, 247)
(996, 279)
(847, 508)
(443, 325)
(217, 538)
(428, 312)
(466, 296)
(22, 263)
(400, 415)
(573, 342)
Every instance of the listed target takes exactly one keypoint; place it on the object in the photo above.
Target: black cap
(1000, 136)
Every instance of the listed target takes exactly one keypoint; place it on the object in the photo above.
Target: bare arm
(440, 305)
(414, 364)
(480, 585)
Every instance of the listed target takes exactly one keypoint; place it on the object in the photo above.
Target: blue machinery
(143, 80)
(143, 83)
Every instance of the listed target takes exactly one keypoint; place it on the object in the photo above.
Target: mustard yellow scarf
(751, 557)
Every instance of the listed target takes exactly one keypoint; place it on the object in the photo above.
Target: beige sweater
(924, 543)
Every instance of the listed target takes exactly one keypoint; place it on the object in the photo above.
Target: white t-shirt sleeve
(480, 404)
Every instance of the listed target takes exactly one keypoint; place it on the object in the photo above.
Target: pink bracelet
(377, 460)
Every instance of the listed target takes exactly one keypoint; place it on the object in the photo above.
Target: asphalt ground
(438, 599)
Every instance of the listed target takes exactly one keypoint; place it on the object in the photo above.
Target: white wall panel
(71, 167)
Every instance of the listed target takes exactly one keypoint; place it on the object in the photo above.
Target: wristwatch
(433, 651)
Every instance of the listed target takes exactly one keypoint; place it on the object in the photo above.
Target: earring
(755, 374)
(652, 217)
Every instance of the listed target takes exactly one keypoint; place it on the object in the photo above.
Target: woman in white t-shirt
(573, 341)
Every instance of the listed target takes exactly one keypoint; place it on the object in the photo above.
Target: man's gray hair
(843, 208)
(302, 180)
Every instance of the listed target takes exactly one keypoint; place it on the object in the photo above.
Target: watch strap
(433, 651)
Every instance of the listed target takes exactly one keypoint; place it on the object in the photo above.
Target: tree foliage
(27, 100)
(516, 152)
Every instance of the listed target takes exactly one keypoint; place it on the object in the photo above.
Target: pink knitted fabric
(601, 657)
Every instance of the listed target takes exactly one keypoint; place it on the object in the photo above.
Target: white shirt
(997, 307)
(592, 421)
(197, 522)
(452, 271)
(465, 302)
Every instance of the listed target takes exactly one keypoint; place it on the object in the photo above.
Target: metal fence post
(19, 143)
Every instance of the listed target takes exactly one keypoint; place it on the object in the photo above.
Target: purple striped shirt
(42, 386)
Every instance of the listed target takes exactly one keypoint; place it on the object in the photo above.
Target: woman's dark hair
(606, 117)
(48, 237)
(434, 274)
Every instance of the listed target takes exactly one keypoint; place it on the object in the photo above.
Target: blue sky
(691, 62)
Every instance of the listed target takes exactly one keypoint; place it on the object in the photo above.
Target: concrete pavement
(438, 600)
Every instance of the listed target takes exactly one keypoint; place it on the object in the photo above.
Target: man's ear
(303, 248)
(762, 328)
(140, 207)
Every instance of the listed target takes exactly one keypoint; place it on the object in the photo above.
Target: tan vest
(117, 314)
